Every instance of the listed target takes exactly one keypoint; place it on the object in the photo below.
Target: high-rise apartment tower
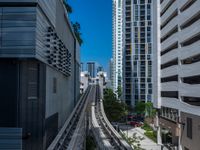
(117, 43)
(137, 54)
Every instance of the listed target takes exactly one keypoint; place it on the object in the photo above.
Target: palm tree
(150, 111)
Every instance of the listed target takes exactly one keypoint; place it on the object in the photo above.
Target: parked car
(137, 118)
(136, 124)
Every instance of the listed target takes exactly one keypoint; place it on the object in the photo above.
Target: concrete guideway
(73, 134)
(105, 135)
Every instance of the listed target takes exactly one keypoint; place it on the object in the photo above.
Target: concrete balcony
(169, 11)
(189, 90)
(189, 70)
(192, 10)
(166, 102)
(169, 41)
(177, 104)
(169, 86)
(164, 4)
(169, 26)
(189, 32)
(189, 51)
(170, 71)
(170, 56)
(181, 3)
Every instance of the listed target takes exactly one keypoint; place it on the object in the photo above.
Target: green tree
(140, 107)
(119, 91)
(150, 111)
(145, 108)
(67, 6)
(109, 95)
(115, 110)
(77, 27)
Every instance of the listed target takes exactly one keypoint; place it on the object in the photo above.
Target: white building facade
(179, 100)
(85, 78)
(117, 43)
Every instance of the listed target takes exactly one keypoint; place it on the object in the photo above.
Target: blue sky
(95, 17)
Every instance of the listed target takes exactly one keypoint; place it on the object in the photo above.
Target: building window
(170, 63)
(170, 94)
(191, 80)
(191, 100)
(191, 60)
(54, 85)
(169, 79)
(189, 128)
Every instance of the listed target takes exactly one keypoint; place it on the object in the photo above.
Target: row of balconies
(185, 66)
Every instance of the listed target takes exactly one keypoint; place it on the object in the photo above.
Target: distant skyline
(95, 18)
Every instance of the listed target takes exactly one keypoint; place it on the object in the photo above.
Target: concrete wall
(61, 101)
(67, 93)
(194, 143)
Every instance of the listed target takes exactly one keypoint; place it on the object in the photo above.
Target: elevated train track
(66, 136)
(73, 134)
(106, 136)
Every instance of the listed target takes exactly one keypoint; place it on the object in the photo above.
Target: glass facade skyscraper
(137, 68)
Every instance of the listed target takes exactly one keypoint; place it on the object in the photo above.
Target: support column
(159, 140)
(180, 132)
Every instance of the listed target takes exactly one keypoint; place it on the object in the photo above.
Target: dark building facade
(39, 69)
(91, 68)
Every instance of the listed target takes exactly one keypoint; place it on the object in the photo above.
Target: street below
(146, 143)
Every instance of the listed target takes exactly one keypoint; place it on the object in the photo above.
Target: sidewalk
(146, 143)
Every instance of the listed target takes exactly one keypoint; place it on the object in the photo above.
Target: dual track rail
(73, 133)
(106, 136)
(66, 134)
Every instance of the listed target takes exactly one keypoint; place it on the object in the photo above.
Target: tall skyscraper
(117, 43)
(91, 68)
(137, 60)
(179, 54)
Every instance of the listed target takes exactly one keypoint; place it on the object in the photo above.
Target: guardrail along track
(106, 136)
(66, 133)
